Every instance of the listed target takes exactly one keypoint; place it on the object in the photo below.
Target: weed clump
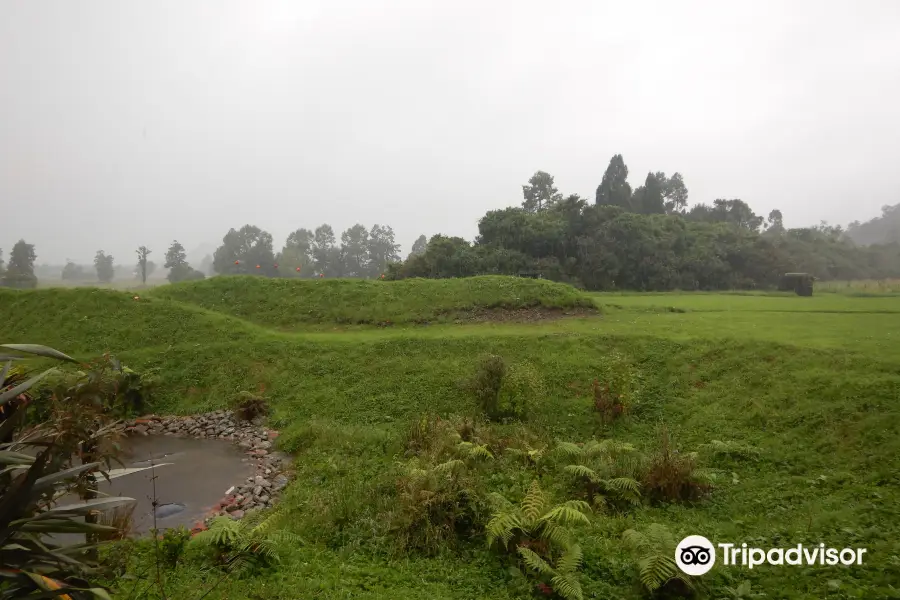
(615, 392)
(505, 391)
(248, 406)
(673, 476)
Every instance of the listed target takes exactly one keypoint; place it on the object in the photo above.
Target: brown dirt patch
(519, 315)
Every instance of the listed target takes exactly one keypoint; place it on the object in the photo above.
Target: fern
(569, 450)
(534, 502)
(474, 451)
(567, 586)
(582, 471)
(563, 578)
(654, 552)
(534, 562)
(569, 513)
(240, 544)
(604, 473)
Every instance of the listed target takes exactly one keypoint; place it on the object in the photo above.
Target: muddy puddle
(191, 476)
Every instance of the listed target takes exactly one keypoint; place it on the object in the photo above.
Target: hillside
(92, 320)
(290, 303)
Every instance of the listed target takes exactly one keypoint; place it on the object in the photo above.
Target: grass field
(811, 385)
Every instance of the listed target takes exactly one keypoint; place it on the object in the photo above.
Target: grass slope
(291, 303)
(92, 321)
(814, 391)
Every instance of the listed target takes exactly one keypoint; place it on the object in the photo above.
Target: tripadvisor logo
(696, 555)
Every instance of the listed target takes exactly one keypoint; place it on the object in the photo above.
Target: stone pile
(270, 467)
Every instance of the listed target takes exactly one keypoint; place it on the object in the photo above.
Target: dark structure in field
(531, 274)
(800, 283)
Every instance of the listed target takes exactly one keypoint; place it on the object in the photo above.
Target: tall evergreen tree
(614, 188)
(20, 270)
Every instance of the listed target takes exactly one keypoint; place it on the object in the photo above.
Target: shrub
(486, 384)
(521, 387)
(674, 476)
(437, 505)
(616, 391)
(51, 460)
(247, 406)
(172, 545)
(504, 391)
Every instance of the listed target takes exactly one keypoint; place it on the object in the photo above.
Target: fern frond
(656, 570)
(570, 561)
(567, 587)
(707, 476)
(534, 562)
(449, 467)
(568, 513)
(498, 501)
(477, 451)
(501, 527)
(626, 488)
(534, 502)
(223, 532)
(634, 540)
(568, 449)
(557, 536)
(581, 471)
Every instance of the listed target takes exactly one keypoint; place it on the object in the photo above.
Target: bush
(673, 476)
(505, 392)
(616, 391)
(436, 505)
(521, 387)
(486, 384)
(172, 545)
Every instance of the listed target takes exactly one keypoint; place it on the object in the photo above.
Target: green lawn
(812, 384)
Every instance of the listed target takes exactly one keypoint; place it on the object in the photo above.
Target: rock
(264, 498)
(232, 507)
(140, 429)
(280, 482)
(264, 445)
(257, 491)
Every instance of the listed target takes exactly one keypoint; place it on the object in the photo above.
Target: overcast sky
(125, 123)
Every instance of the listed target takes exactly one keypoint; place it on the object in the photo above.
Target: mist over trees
(880, 230)
(179, 269)
(640, 238)
(647, 239)
(362, 253)
(103, 263)
(19, 271)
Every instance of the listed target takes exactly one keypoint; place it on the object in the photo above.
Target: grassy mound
(92, 320)
(289, 303)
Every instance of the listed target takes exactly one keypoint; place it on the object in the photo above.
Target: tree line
(646, 239)
(360, 252)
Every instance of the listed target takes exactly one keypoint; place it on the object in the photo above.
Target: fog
(126, 123)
